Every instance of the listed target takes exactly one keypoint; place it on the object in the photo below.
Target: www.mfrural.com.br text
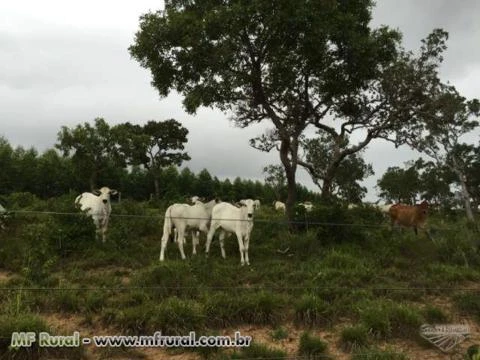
(44, 339)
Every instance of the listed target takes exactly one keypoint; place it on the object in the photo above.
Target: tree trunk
(156, 182)
(465, 194)
(290, 169)
(466, 199)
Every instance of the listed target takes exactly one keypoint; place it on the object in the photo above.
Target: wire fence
(306, 221)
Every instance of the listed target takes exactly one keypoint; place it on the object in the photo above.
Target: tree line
(93, 156)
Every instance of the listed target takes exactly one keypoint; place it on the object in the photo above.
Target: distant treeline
(49, 174)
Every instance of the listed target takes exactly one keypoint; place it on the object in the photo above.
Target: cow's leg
(210, 234)
(104, 229)
(221, 239)
(181, 241)
(415, 230)
(195, 241)
(240, 247)
(246, 242)
(163, 246)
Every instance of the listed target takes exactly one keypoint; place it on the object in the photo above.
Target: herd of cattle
(226, 218)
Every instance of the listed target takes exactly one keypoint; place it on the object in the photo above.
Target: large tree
(340, 179)
(440, 135)
(155, 145)
(92, 148)
(288, 62)
(400, 185)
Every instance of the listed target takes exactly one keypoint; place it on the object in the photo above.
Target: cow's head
(423, 206)
(249, 204)
(104, 193)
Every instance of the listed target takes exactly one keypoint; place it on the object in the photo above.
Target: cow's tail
(167, 224)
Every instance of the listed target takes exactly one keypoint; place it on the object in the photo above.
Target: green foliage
(386, 319)
(279, 333)
(311, 346)
(434, 315)
(469, 303)
(227, 309)
(93, 150)
(167, 279)
(175, 316)
(311, 310)
(28, 322)
(354, 338)
(376, 354)
(331, 225)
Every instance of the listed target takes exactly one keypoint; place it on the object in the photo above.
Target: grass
(354, 338)
(279, 333)
(311, 346)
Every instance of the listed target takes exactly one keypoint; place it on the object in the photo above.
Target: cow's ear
(113, 192)
(96, 192)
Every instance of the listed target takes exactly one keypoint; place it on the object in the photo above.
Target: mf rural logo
(447, 337)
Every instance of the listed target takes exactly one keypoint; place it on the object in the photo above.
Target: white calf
(183, 217)
(279, 206)
(307, 205)
(232, 219)
(97, 206)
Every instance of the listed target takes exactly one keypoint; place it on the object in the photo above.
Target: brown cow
(414, 216)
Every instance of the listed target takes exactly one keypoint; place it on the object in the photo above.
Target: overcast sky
(64, 63)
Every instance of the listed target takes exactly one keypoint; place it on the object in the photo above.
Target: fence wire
(255, 220)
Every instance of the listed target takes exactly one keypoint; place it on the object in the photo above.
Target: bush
(177, 317)
(354, 338)
(279, 333)
(310, 310)
(386, 320)
(434, 315)
(469, 303)
(311, 346)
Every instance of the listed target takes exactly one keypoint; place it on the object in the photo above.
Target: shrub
(354, 338)
(469, 303)
(434, 315)
(175, 316)
(311, 346)
(311, 310)
(386, 320)
(279, 333)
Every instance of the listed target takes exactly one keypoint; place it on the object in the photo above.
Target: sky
(65, 63)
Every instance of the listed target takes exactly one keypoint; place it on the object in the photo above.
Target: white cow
(97, 205)
(384, 208)
(307, 205)
(232, 219)
(279, 206)
(257, 204)
(183, 217)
